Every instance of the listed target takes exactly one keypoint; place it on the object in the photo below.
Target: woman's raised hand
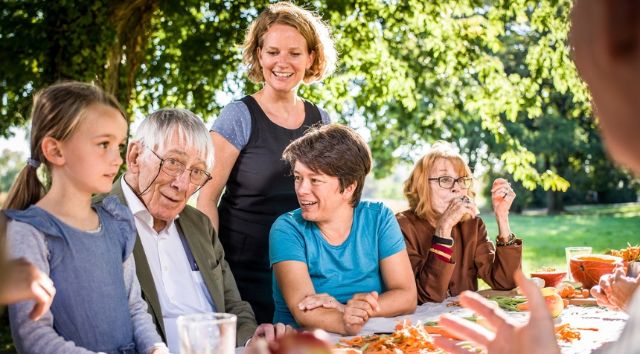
(502, 197)
(358, 310)
(455, 212)
(324, 300)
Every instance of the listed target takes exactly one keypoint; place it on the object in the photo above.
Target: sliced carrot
(440, 331)
(523, 306)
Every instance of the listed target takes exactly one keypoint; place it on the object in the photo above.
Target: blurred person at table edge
(446, 241)
(337, 260)
(284, 47)
(605, 40)
(179, 260)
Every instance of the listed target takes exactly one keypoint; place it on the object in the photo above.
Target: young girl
(77, 132)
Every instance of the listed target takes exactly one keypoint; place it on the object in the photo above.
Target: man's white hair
(160, 126)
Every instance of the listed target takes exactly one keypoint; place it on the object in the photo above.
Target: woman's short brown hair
(310, 26)
(335, 150)
(417, 188)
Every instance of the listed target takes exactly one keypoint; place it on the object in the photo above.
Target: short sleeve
(123, 218)
(390, 239)
(326, 119)
(286, 241)
(234, 124)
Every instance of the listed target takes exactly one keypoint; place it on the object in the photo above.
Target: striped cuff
(442, 252)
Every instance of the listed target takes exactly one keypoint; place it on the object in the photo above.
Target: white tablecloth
(609, 323)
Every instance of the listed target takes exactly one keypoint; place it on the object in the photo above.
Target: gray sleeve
(144, 330)
(24, 241)
(326, 118)
(234, 124)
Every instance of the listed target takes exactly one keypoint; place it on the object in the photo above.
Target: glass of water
(207, 333)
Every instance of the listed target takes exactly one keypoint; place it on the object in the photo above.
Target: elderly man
(179, 259)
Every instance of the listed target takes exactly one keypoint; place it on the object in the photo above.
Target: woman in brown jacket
(447, 242)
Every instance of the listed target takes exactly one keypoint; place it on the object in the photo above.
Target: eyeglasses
(175, 168)
(447, 182)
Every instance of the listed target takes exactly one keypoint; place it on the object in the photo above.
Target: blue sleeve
(234, 124)
(326, 118)
(390, 239)
(286, 241)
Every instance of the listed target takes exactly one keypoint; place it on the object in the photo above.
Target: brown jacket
(474, 255)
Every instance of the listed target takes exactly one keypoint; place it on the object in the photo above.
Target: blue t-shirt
(340, 271)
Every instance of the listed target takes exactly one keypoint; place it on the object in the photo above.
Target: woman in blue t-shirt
(337, 261)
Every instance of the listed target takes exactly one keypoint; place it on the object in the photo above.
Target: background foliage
(493, 77)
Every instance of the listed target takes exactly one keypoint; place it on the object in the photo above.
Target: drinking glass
(207, 333)
(572, 252)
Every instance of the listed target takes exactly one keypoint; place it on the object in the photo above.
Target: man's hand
(23, 281)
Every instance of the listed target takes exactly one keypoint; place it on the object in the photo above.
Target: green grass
(545, 237)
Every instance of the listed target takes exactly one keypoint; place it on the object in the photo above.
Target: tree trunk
(555, 203)
(132, 20)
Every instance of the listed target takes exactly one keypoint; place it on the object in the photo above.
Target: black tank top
(259, 189)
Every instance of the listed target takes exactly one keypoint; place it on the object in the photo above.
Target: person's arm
(502, 196)
(432, 274)
(536, 335)
(144, 330)
(400, 297)
(31, 336)
(225, 156)
(295, 284)
(230, 133)
(22, 281)
(496, 265)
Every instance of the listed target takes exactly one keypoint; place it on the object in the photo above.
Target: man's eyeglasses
(447, 182)
(175, 168)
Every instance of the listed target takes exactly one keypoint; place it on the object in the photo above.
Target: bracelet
(512, 239)
(443, 241)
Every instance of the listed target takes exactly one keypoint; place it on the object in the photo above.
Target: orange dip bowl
(551, 279)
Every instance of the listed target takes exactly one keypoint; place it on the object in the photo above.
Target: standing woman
(284, 47)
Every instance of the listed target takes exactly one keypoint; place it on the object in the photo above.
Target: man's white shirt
(181, 291)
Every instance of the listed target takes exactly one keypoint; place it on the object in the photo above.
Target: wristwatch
(442, 240)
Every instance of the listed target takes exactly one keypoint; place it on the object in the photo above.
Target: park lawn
(545, 237)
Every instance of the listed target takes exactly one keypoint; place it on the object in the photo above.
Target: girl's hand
(502, 197)
(358, 310)
(320, 300)
(455, 212)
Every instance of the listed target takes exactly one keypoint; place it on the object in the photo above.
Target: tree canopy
(494, 77)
